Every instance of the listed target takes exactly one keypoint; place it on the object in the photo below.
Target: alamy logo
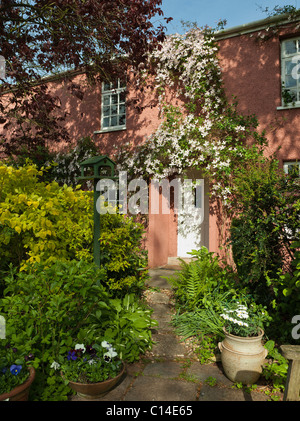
(179, 196)
(296, 68)
(2, 327)
(296, 329)
(2, 67)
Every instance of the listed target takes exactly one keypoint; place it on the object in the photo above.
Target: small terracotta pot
(21, 392)
(95, 390)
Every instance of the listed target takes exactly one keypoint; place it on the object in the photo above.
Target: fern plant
(197, 278)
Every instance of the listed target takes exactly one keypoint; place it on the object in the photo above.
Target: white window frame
(288, 164)
(113, 111)
(294, 59)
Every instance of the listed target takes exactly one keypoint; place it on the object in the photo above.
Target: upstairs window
(113, 109)
(290, 71)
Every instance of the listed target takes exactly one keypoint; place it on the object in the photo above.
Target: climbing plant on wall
(199, 128)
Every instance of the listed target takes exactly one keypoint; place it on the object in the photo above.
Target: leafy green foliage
(199, 278)
(266, 226)
(44, 222)
(277, 367)
(122, 254)
(41, 222)
(90, 364)
(126, 323)
(203, 320)
(13, 368)
(48, 309)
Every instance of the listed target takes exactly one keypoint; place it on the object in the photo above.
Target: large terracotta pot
(21, 392)
(243, 358)
(96, 390)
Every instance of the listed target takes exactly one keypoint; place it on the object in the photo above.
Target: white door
(193, 218)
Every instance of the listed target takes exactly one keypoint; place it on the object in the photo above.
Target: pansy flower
(15, 369)
(72, 355)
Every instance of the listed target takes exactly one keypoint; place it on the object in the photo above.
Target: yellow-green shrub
(43, 223)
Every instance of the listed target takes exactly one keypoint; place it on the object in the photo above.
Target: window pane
(114, 99)
(290, 82)
(113, 104)
(290, 47)
(122, 120)
(106, 100)
(289, 65)
(106, 111)
(114, 109)
(106, 122)
(106, 86)
(114, 121)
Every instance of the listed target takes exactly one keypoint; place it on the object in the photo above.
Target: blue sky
(209, 12)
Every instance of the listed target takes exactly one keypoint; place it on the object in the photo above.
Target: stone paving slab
(167, 346)
(204, 371)
(147, 388)
(215, 394)
(159, 298)
(156, 279)
(163, 315)
(164, 369)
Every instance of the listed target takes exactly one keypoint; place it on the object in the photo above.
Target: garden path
(171, 371)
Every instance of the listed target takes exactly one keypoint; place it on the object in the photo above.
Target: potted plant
(16, 375)
(242, 350)
(91, 371)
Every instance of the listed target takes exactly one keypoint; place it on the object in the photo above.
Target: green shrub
(286, 302)
(266, 223)
(199, 278)
(42, 223)
(122, 254)
(45, 309)
(48, 309)
(276, 369)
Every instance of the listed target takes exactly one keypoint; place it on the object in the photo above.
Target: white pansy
(55, 365)
(80, 346)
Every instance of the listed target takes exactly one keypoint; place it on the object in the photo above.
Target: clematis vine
(203, 132)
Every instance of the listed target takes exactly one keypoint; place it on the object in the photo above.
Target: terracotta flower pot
(242, 357)
(96, 390)
(21, 392)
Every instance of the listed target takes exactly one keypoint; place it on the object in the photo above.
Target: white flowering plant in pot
(244, 320)
(89, 363)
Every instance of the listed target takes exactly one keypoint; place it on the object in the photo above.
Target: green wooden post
(97, 255)
(98, 167)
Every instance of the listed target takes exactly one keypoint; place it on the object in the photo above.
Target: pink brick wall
(252, 73)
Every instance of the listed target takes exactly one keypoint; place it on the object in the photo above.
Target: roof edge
(257, 25)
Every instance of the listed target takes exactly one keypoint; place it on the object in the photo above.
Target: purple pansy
(15, 369)
(72, 355)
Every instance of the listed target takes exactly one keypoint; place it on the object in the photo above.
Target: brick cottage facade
(255, 68)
